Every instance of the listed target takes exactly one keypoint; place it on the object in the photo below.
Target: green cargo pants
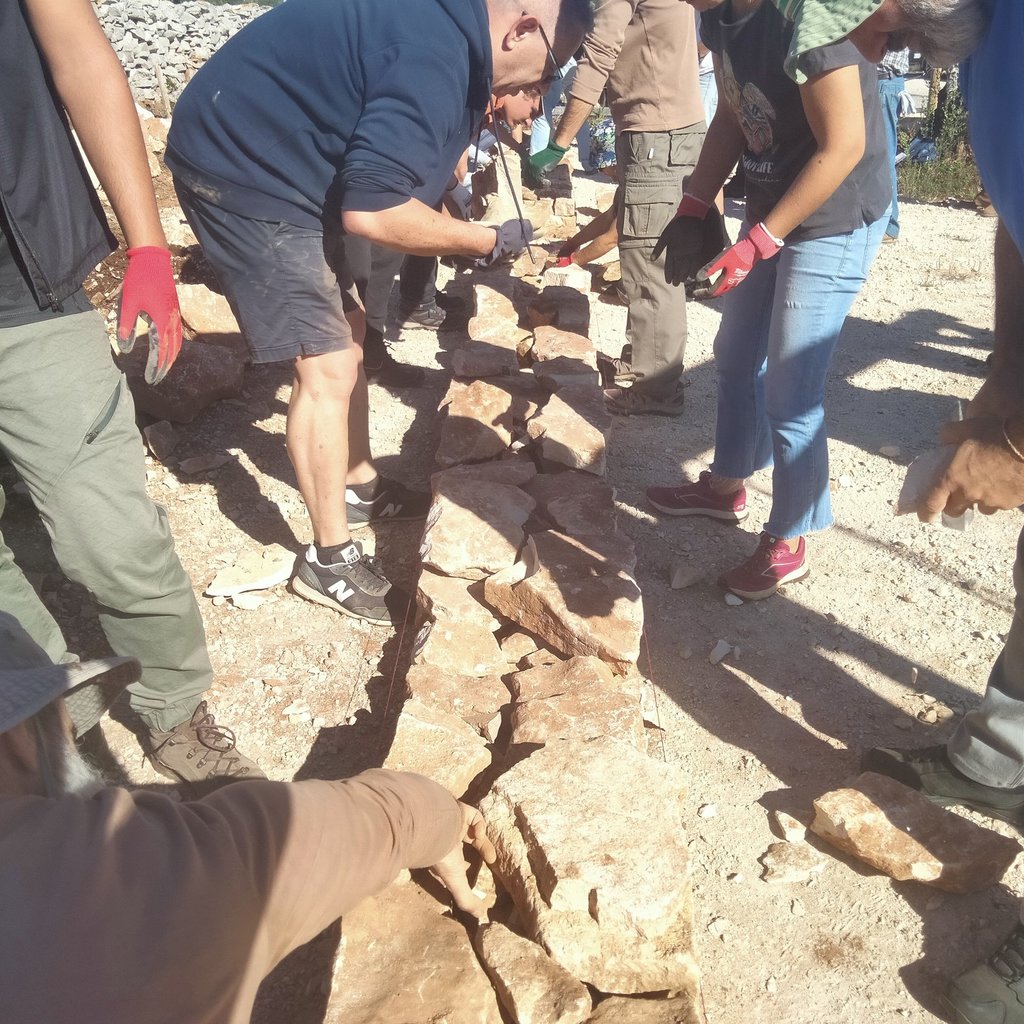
(652, 169)
(67, 425)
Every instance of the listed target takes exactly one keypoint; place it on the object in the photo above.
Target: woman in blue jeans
(817, 191)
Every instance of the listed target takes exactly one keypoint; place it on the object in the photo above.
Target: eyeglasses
(551, 53)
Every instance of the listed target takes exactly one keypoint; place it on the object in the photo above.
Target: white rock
(733, 600)
(721, 650)
(684, 575)
(708, 811)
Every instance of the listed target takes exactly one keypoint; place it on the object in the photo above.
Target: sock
(327, 554)
(367, 491)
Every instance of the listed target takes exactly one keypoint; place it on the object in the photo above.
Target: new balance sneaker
(635, 402)
(428, 315)
(199, 750)
(767, 569)
(699, 499)
(384, 500)
(992, 992)
(930, 771)
(352, 584)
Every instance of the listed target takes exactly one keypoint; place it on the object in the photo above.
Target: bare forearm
(91, 84)
(414, 228)
(602, 234)
(723, 146)
(573, 118)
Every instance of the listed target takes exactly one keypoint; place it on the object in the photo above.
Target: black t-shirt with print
(779, 141)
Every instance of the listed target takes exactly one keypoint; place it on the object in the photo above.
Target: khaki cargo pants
(67, 425)
(653, 167)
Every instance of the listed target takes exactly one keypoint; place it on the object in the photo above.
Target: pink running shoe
(767, 569)
(699, 499)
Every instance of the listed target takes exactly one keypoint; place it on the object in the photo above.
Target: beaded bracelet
(1009, 444)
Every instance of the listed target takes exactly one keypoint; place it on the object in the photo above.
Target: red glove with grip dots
(738, 260)
(148, 291)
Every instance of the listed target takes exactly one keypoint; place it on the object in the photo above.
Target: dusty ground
(896, 617)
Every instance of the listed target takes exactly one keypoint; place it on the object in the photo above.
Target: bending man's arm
(415, 228)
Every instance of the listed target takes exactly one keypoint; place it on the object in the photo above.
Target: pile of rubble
(523, 693)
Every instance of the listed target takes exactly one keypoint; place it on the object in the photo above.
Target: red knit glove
(738, 260)
(148, 291)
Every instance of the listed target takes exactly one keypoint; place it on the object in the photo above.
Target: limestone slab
(478, 425)
(206, 311)
(564, 308)
(572, 428)
(450, 599)
(552, 343)
(578, 600)
(531, 986)
(902, 833)
(602, 883)
(439, 745)
(624, 1010)
(464, 648)
(471, 698)
(259, 569)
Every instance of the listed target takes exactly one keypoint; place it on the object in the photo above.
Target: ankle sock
(327, 554)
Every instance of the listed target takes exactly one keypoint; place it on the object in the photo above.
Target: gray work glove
(513, 237)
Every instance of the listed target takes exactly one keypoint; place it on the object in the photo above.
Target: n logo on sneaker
(389, 510)
(341, 591)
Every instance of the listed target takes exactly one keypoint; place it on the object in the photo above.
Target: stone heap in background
(174, 39)
(524, 692)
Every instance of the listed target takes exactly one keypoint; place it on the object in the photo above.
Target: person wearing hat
(982, 765)
(134, 906)
(67, 420)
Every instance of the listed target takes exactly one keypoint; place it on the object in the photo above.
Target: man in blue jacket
(325, 116)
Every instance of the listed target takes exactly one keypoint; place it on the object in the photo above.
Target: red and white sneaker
(699, 499)
(767, 569)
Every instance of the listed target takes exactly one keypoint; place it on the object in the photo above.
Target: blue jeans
(889, 90)
(772, 354)
(540, 132)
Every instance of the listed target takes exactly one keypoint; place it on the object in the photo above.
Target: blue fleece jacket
(320, 106)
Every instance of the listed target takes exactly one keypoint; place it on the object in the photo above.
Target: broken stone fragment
(161, 439)
(206, 311)
(576, 599)
(517, 645)
(402, 934)
(551, 343)
(477, 360)
(464, 648)
(685, 575)
(604, 889)
(902, 833)
(473, 530)
(471, 698)
(204, 463)
(791, 863)
(531, 986)
(179, 235)
(450, 599)
(439, 745)
(572, 276)
(571, 430)
(564, 308)
(254, 570)
(479, 423)
(785, 826)
(559, 677)
(495, 299)
(680, 1009)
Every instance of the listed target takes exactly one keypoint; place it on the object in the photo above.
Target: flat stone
(685, 575)
(439, 745)
(450, 599)
(495, 299)
(559, 677)
(602, 884)
(204, 463)
(484, 361)
(402, 959)
(260, 569)
(474, 531)
(206, 311)
(551, 343)
(571, 430)
(564, 308)
(785, 826)
(531, 986)
(466, 648)
(579, 601)
(517, 646)
(179, 235)
(479, 423)
(161, 439)
(720, 651)
(247, 601)
(572, 276)
(574, 502)
(471, 698)
(902, 833)
(680, 1009)
(791, 863)
(201, 375)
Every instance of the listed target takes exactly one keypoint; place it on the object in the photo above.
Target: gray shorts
(289, 287)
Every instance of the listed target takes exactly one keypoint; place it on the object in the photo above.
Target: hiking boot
(384, 500)
(390, 373)
(352, 584)
(992, 992)
(616, 371)
(631, 402)
(930, 771)
(700, 499)
(767, 569)
(199, 750)
(427, 315)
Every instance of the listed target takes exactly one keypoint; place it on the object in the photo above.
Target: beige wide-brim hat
(819, 23)
(29, 680)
